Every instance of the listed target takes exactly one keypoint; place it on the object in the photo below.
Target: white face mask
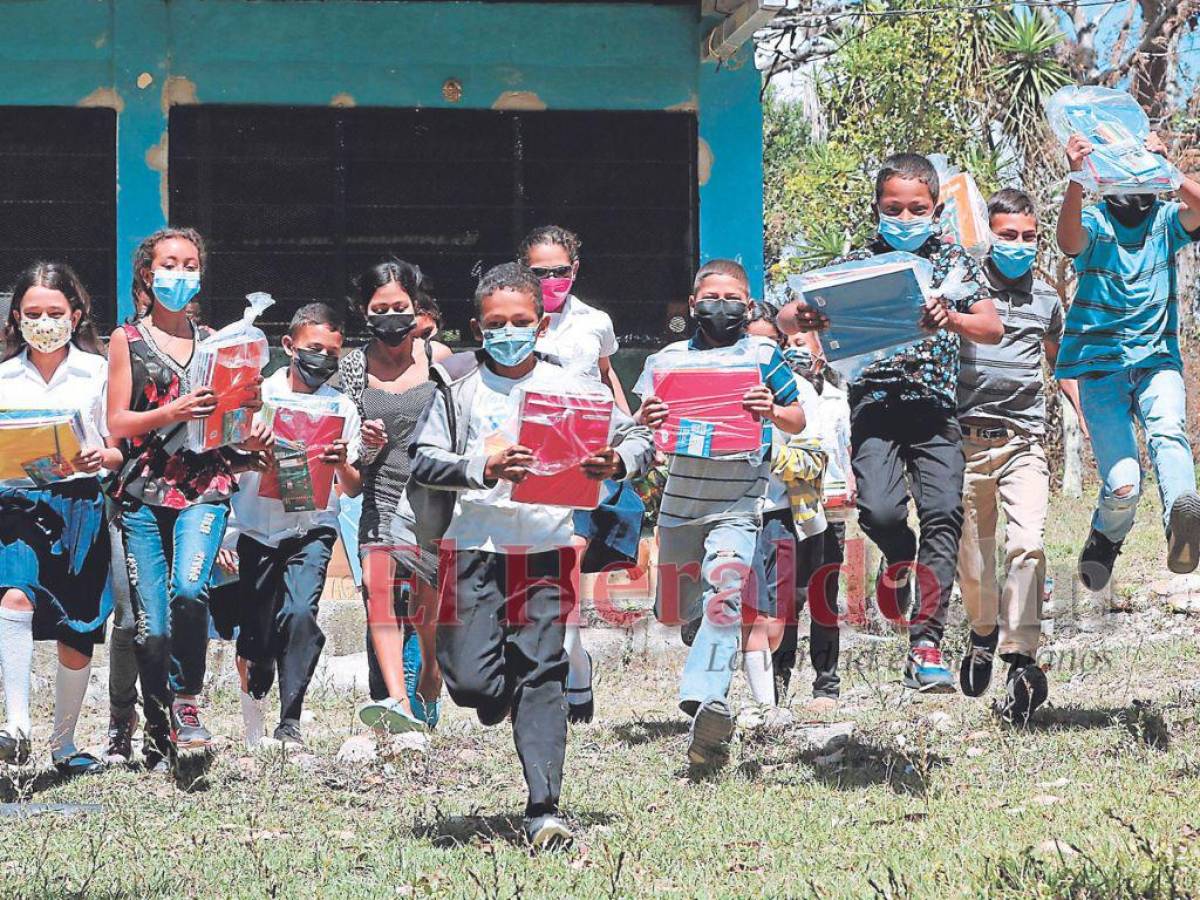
(45, 333)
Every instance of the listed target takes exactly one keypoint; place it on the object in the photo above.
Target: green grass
(931, 797)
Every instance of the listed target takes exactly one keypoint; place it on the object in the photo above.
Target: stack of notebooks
(229, 367)
(38, 444)
(1120, 160)
(562, 430)
(304, 428)
(705, 415)
(872, 304)
(964, 214)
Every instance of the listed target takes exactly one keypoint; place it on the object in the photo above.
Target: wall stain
(691, 104)
(519, 100)
(178, 91)
(156, 159)
(343, 101)
(105, 98)
(704, 161)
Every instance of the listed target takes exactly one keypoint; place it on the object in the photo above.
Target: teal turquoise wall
(142, 56)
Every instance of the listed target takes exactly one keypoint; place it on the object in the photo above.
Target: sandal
(580, 703)
(78, 763)
(15, 747)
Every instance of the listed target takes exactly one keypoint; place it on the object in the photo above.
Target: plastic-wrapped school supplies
(964, 212)
(875, 307)
(229, 361)
(562, 430)
(38, 444)
(304, 427)
(1118, 128)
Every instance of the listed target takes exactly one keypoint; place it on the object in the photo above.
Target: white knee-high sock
(16, 664)
(760, 673)
(580, 672)
(69, 687)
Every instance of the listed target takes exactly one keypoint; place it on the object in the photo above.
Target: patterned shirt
(1003, 383)
(928, 370)
(1125, 314)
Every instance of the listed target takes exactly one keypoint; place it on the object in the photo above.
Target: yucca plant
(1024, 69)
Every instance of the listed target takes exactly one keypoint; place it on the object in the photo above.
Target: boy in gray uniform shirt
(1002, 409)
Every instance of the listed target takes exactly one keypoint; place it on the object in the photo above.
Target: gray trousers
(122, 664)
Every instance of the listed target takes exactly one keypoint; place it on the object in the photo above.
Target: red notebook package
(304, 428)
(705, 416)
(562, 430)
(230, 370)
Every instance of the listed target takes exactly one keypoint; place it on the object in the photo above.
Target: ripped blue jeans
(170, 555)
(1113, 404)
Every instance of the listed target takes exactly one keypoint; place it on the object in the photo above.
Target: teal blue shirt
(1125, 314)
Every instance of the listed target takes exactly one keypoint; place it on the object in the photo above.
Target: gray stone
(359, 749)
(825, 739)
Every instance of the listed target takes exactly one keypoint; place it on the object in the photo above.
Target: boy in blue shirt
(711, 508)
(1122, 344)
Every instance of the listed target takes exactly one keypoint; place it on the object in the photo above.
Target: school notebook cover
(229, 369)
(38, 444)
(562, 430)
(304, 428)
(705, 415)
(870, 306)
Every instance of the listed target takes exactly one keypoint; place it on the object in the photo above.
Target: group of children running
(466, 587)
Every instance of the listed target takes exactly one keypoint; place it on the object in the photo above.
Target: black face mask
(315, 368)
(721, 321)
(1130, 210)
(391, 328)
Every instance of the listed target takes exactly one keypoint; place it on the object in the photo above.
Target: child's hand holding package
(798, 316)
(603, 465)
(261, 438)
(653, 412)
(198, 404)
(937, 316)
(1079, 148)
(510, 464)
(759, 401)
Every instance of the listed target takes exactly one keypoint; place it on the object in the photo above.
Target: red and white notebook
(230, 370)
(705, 415)
(304, 428)
(562, 430)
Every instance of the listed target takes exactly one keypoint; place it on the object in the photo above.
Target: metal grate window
(296, 201)
(58, 196)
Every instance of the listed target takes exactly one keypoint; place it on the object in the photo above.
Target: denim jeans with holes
(1114, 403)
(170, 554)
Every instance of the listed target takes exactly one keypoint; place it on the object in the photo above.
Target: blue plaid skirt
(54, 548)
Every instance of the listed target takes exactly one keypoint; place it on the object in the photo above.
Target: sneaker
(287, 733)
(119, 750)
(187, 731)
(925, 671)
(712, 730)
(389, 715)
(975, 670)
(689, 630)
(15, 747)
(1183, 535)
(581, 706)
(1096, 561)
(157, 749)
(548, 832)
(1026, 690)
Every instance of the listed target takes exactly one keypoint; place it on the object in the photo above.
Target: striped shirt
(1125, 314)
(1003, 383)
(699, 489)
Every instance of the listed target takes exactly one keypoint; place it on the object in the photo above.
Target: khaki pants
(1010, 474)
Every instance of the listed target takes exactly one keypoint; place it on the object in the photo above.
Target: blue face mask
(905, 234)
(175, 288)
(510, 345)
(1013, 259)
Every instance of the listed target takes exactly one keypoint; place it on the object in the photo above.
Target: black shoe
(187, 731)
(548, 832)
(1183, 535)
(119, 751)
(975, 670)
(1096, 561)
(581, 705)
(158, 750)
(689, 630)
(15, 748)
(1026, 690)
(288, 733)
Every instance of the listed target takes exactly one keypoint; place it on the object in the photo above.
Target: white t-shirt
(488, 519)
(79, 382)
(264, 519)
(580, 336)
